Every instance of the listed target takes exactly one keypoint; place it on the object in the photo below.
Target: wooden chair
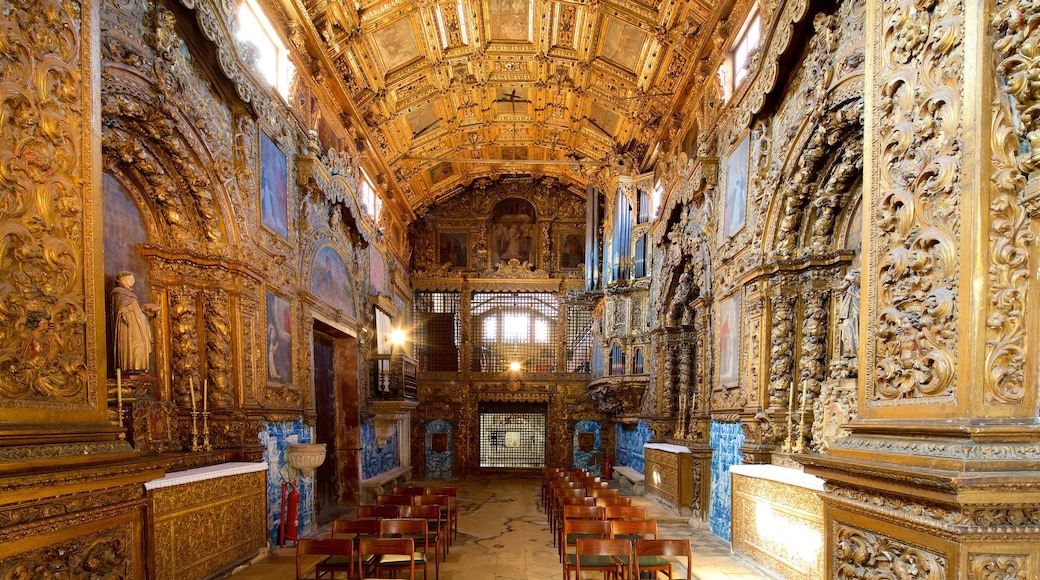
(443, 501)
(633, 530)
(378, 512)
(554, 519)
(609, 501)
(435, 525)
(408, 490)
(604, 492)
(416, 531)
(650, 555)
(564, 502)
(612, 557)
(579, 512)
(355, 531)
(397, 550)
(453, 493)
(574, 530)
(624, 512)
(394, 499)
(338, 556)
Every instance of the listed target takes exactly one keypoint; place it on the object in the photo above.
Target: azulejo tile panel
(582, 458)
(629, 445)
(375, 459)
(275, 437)
(439, 464)
(726, 440)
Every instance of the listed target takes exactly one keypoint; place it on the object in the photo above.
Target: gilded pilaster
(940, 469)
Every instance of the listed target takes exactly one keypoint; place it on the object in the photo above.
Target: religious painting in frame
(735, 202)
(510, 20)
(571, 250)
(274, 186)
(329, 281)
(513, 232)
(729, 340)
(453, 249)
(396, 44)
(278, 315)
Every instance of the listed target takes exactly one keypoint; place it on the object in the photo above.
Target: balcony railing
(393, 377)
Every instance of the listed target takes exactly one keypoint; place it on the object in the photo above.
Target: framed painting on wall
(453, 249)
(329, 280)
(736, 188)
(572, 250)
(274, 212)
(278, 314)
(729, 340)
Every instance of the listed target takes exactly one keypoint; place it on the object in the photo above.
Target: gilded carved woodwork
(862, 554)
(49, 228)
(781, 350)
(916, 212)
(1010, 237)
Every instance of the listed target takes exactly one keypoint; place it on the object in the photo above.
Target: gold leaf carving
(865, 555)
(42, 344)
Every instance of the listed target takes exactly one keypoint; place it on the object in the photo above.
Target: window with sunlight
(369, 199)
(256, 31)
(736, 66)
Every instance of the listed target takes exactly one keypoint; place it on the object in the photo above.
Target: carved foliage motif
(42, 348)
(184, 360)
(1017, 34)
(998, 566)
(864, 555)
(1010, 239)
(915, 211)
(107, 554)
(781, 350)
(218, 348)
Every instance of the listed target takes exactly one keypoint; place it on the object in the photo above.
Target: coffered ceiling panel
(456, 90)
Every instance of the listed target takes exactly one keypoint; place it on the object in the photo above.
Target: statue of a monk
(132, 327)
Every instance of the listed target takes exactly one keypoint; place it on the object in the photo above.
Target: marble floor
(504, 535)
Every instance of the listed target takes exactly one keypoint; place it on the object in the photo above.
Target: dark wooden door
(325, 493)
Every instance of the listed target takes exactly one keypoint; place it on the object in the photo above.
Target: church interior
(764, 263)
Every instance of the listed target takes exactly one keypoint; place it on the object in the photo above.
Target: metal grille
(514, 328)
(437, 331)
(579, 338)
(512, 435)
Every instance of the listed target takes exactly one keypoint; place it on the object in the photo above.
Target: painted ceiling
(449, 92)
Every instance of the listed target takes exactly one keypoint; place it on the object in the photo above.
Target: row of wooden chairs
(341, 556)
(621, 558)
(608, 534)
(397, 534)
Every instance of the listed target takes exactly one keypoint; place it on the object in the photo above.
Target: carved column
(940, 472)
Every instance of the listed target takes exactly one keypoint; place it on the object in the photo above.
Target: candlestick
(191, 387)
(119, 387)
(205, 395)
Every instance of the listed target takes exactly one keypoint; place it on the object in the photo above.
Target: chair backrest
(593, 528)
(441, 500)
(599, 547)
(633, 528)
(405, 527)
(582, 512)
(426, 512)
(408, 490)
(624, 512)
(322, 547)
(583, 500)
(384, 546)
(449, 491)
(395, 499)
(597, 484)
(609, 501)
(604, 492)
(679, 548)
(355, 528)
(378, 512)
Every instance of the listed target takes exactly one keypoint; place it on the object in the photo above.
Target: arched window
(617, 360)
(637, 362)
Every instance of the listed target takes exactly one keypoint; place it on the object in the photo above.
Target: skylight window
(256, 31)
(737, 64)
(369, 198)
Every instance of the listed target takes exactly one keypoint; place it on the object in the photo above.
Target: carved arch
(817, 180)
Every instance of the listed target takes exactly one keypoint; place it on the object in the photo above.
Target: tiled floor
(504, 535)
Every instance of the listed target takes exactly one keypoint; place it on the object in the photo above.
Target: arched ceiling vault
(455, 90)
